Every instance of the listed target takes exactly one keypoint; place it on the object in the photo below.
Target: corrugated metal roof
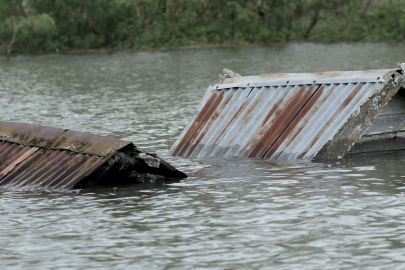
(286, 116)
(57, 138)
(39, 157)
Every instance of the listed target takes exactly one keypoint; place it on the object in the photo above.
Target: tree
(10, 23)
(18, 19)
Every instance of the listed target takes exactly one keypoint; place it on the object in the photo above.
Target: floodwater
(229, 214)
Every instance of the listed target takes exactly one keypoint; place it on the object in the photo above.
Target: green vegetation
(47, 25)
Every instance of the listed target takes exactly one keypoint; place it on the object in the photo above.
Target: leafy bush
(44, 25)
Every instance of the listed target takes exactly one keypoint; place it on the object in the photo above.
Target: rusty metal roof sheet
(80, 142)
(287, 116)
(56, 138)
(39, 157)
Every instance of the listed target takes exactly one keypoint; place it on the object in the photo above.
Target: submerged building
(298, 116)
(34, 157)
(278, 116)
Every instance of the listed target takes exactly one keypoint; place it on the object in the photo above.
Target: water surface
(229, 214)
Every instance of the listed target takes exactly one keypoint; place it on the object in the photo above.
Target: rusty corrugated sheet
(39, 157)
(285, 116)
(56, 138)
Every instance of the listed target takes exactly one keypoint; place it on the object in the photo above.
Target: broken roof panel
(287, 116)
(33, 156)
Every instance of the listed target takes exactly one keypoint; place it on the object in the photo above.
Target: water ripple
(229, 214)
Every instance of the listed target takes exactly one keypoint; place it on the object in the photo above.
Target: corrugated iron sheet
(39, 157)
(277, 116)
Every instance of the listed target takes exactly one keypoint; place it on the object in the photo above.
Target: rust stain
(292, 128)
(253, 129)
(207, 125)
(275, 107)
(29, 134)
(248, 114)
(20, 171)
(9, 150)
(58, 169)
(82, 171)
(232, 121)
(86, 143)
(47, 167)
(199, 122)
(68, 169)
(24, 155)
(18, 151)
(28, 173)
(320, 99)
(35, 156)
(282, 116)
(331, 119)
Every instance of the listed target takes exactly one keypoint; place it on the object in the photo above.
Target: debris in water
(297, 115)
(34, 157)
(227, 73)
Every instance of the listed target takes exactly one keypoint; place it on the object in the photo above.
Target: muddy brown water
(229, 214)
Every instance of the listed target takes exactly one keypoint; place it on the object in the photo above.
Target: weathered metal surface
(39, 157)
(28, 134)
(286, 116)
(307, 78)
(362, 118)
(80, 142)
(34, 168)
(56, 138)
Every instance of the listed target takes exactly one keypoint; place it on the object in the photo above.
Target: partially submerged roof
(47, 158)
(61, 139)
(287, 116)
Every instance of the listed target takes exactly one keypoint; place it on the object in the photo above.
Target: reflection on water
(233, 213)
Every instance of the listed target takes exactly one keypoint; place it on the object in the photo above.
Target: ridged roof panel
(276, 116)
(40, 157)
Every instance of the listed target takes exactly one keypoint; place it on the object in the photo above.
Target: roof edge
(279, 79)
(363, 117)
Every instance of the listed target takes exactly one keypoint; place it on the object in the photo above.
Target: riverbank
(33, 27)
(202, 47)
(146, 49)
